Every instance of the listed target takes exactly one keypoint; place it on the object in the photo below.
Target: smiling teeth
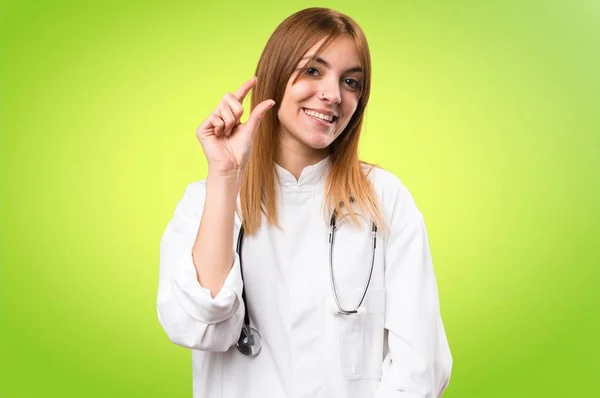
(318, 115)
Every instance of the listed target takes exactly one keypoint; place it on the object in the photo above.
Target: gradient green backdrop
(487, 112)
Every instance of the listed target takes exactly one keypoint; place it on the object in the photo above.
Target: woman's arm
(189, 313)
(200, 286)
(212, 254)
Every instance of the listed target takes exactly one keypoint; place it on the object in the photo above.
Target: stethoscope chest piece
(250, 342)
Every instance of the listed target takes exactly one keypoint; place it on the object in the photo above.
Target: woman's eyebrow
(323, 62)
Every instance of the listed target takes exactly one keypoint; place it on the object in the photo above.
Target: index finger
(241, 92)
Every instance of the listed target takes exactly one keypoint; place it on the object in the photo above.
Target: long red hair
(347, 178)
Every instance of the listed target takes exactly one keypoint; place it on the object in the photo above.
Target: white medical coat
(395, 346)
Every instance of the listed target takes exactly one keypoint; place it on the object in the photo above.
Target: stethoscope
(250, 342)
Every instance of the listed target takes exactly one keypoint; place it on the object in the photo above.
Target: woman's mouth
(320, 118)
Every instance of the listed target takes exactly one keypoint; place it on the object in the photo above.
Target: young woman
(294, 269)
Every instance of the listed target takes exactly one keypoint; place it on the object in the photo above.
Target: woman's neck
(295, 160)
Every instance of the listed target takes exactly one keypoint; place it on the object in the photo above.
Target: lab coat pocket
(360, 336)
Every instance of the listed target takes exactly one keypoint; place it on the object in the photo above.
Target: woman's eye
(312, 71)
(352, 83)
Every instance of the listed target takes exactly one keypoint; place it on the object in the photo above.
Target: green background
(487, 112)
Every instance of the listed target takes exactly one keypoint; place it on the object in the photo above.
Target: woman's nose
(330, 92)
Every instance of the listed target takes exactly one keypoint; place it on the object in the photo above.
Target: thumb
(257, 114)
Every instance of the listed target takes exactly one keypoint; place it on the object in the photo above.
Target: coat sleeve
(418, 361)
(188, 313)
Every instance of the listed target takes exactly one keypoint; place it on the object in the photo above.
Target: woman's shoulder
(383, 179)
(191, 198)
(194, 192)
(197, 187)
(390, 189)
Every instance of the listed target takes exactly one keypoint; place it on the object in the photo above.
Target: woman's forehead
(341, 51)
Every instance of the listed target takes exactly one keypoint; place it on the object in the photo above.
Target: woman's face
(316, 109)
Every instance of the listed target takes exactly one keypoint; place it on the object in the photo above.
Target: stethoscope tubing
(341, 310)
(250, 341)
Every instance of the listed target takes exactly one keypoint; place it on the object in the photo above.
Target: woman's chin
(318, 142)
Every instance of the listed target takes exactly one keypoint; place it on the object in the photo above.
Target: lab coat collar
(311, 176)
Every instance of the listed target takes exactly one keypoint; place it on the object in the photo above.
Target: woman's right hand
(227, 143)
